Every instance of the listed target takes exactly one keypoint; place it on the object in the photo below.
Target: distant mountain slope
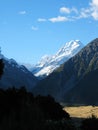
(16, 75)
(49, 63)
(72, 72)
(86, 91)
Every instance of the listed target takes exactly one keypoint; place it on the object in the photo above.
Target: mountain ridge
(48, 64)
(16, 75)
(68, 75)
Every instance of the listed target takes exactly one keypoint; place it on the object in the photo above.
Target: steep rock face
(16, 75)
(49, 63)
(67, 76)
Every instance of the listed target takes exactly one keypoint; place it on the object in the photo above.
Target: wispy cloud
(68, 10)
(94, 9)
(23, 12)
(58, 19)
(34, 28)
(90, 11)
(42, 20)
(75, 10)
(72, 14)
(65, 10)
(84, 13)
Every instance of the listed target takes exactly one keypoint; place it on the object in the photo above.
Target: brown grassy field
(82, 111)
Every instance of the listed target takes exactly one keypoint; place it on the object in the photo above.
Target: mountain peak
(48, 64)
(76, 81)
(70, 46)
(73, 44)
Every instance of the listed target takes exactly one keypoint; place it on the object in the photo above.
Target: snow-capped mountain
(16, 75)
(76, 81)
(48, 64)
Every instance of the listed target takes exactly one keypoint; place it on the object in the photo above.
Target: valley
(82, 111)
(74, 82)
(79, 114)
(48, 65)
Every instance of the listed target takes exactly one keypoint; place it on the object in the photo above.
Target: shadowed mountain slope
(71, 73)
(16, 75)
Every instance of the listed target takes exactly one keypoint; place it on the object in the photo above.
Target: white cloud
(94, 9)
(91, 11)
(74, 10)
(68, 10)
(95, 3)
(22, 12)
(34, 28)
(58, 19)
(85, 13)
(95, 15)
(65, 10)
(42, 20)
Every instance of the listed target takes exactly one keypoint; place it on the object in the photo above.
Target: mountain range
(48, 64)
(75, 81)
(16, 75)
(71, 76)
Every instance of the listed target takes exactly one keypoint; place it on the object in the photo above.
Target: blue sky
(30, 29)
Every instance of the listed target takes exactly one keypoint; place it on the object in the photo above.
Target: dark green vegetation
(90, 123)
(19, 110)
(76, 81)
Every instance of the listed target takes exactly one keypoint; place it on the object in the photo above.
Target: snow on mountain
(13, 63)
(16, 75)
(48, 64)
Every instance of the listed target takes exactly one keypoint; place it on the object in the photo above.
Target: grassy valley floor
(82, 111)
